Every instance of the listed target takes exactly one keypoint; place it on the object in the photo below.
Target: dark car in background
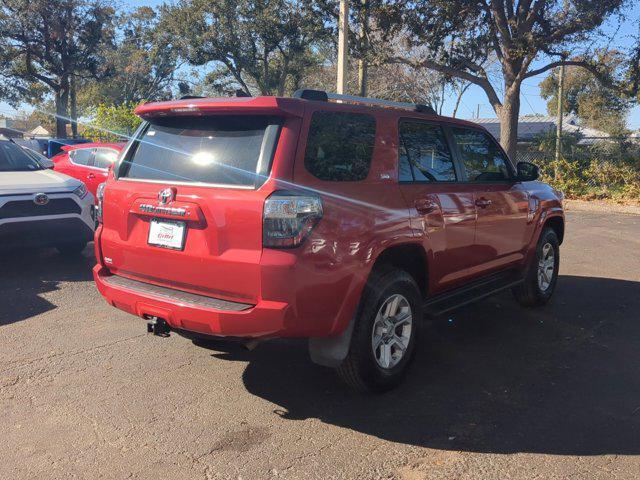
(49, 147)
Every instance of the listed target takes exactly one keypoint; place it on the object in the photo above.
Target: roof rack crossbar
(383, 103)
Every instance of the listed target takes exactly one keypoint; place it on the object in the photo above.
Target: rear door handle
(91, 175)
(483, 202)
(425, 206)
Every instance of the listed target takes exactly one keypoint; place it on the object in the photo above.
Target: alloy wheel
(392, 331)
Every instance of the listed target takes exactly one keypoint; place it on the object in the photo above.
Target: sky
(475, 98)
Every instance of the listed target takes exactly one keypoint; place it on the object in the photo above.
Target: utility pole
(343, 46)
(560, 114)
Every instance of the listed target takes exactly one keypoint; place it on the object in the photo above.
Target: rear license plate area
(169, 234)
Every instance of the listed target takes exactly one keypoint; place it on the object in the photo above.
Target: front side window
(14, 159)
(82, 156)
(340, 146)
(424, 154)
(214, 149)
(482, 158)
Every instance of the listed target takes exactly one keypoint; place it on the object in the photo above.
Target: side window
(424, 154)
(482, 158)
(340, 146)
(105, 157)
(82, 156)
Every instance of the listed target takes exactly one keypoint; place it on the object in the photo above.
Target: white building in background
(531, 127)
(40, 132)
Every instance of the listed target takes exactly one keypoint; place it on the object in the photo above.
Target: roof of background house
(40, 131)
(529, 127)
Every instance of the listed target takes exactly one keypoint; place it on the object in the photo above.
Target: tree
(142, 65)
(27, 121)
(597, 105)
(633, 71)
(111, 123)
(46, 45)
(258, 45)
(526, 38)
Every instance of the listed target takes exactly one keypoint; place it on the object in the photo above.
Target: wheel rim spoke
(546, 266)
(403, 319)
(376, 344)
(385, 355)
(393, 306)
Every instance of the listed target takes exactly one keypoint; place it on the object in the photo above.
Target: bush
(594, 179)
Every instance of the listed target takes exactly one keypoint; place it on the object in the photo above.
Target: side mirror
(527, 171)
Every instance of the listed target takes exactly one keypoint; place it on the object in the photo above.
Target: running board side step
(485, 287)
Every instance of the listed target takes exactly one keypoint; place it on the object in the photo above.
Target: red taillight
(289, 218)
(100, 198)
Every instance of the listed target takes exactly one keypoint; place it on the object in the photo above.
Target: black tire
(360, 369)
(529, 293)
(71, 248)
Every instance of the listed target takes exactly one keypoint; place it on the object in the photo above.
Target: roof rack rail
(322, 96)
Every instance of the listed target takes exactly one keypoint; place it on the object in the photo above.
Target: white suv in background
(40, 207)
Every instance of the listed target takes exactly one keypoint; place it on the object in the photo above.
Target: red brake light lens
(100, 198)
(289, 218)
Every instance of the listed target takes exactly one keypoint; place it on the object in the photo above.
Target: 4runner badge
(148, 208)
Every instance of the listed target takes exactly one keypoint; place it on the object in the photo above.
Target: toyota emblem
(166, 196)
(41, 199)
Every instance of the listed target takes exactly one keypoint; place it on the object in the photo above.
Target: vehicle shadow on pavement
(27, 276)
(494, 377)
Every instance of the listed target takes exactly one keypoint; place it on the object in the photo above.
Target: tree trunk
(508, 115)
(362, 77)
(73, 109)
(62, 104)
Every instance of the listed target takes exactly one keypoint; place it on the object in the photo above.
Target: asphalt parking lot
(496, 392)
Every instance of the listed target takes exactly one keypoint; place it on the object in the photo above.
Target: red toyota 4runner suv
(343, 222)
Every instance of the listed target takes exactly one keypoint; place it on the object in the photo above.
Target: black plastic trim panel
(176, 295)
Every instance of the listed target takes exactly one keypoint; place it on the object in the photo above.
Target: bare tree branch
(576, 63)
(482, 82)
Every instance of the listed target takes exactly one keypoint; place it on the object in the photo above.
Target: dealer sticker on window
(167, 234)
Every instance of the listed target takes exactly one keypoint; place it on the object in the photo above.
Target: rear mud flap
(331, 351)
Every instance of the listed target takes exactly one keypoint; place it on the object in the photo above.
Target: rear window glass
(424, 154)
(340, 145)
(81, 156)
(213, 149)
(105, 157)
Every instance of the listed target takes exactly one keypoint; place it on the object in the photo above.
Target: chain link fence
(591, 168)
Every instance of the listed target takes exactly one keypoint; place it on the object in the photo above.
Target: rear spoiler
(279, 106)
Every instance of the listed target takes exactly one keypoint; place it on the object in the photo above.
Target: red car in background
(88, 162)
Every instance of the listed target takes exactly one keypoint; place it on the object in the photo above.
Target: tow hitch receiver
(158, 327)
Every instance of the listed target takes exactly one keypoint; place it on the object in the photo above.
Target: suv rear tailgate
(222, 247)
(215, 172)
